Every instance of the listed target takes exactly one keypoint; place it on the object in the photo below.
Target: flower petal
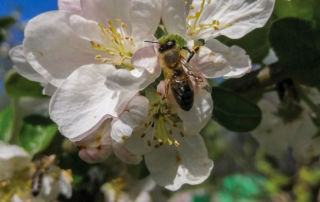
(52, 47)
(145, 16)
(174, 16)
(200, 113)
(22, 66)
(162, 163)
(195, 165)
(103, 10)
(12, 158)
(217, 60)
(125, 155)
(25, 69)
(134, 114)
(72, 6)
(147, 70)
(236, 18)
(83, 102)
(137, 143)
(98, 146)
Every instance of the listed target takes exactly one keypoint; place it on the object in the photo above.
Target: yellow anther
(185, 2)
(191, 7)
(118, 63)
(176, 143)
(118, 20)
(104, 61)
(216, 28)
(98, 57)
(214, 22)
(209, 1)
(124, 25)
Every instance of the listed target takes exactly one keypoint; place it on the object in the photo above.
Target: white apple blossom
(92, 57)
(206, 19)
(127, 189)
(87, 40)
(16, 173)
(174, 152)
(277, 136)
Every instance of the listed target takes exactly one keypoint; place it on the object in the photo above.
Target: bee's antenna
(151, 41)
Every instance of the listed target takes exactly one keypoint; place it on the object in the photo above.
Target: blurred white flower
(17, 173)
(277, 135)
(127, 189)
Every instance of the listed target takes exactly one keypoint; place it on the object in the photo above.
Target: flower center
(19, 183)
(163, 125)
(193, 24)
(118, 47)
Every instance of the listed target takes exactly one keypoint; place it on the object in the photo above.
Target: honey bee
(42, 166)
(178, 73)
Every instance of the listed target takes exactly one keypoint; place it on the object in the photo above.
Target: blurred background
(264, 143)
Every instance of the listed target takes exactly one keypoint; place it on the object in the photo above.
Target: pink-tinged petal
(98, 146)
(133, 115)
(145, 16)
(162, 163)
(217, 60)
(236, 18)
(195, 166)
(72, 6)
(83, 102)
(53, 48)
(146, 70)
(200, 113)
(125, 155)
(174, 16)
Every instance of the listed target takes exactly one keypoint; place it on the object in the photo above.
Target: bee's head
(167, 45)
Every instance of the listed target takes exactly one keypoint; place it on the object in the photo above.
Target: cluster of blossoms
(17, 177)
(104, 79)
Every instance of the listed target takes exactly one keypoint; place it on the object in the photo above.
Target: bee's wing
(195, 76)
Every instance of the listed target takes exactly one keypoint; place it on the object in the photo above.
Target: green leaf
(302, 9)
(294, 42)
(7, 21)
(36, 133)
(17, 86)
(234, 112)
(6, 124)
(255, 43)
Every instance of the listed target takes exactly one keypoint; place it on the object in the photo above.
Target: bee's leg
(187, 49)
(166, 91)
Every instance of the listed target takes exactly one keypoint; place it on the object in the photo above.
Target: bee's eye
(171, 43)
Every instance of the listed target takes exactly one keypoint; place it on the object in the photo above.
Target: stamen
(120, 47)
(196, 27)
